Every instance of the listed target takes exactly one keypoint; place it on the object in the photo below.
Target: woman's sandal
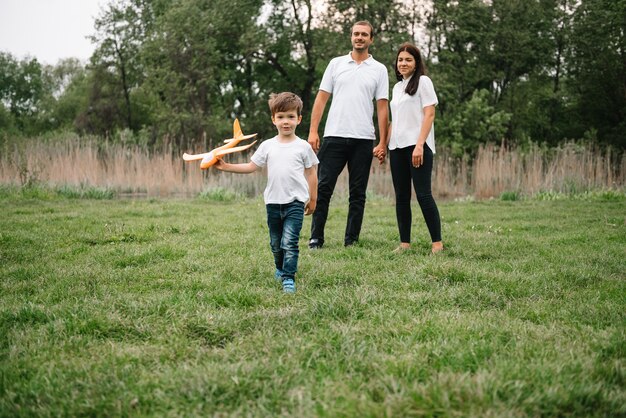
(437, 251)
(400, 249)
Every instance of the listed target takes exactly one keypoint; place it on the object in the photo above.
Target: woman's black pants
(403, 173)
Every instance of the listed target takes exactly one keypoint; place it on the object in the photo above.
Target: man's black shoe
(315, 244)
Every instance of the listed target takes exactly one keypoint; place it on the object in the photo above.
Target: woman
(412, 144)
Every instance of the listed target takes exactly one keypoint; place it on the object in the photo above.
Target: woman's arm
(427, 124)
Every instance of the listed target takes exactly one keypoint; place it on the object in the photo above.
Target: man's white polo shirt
(354, 87)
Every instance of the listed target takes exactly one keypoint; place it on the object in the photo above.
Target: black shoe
(315, 244)
(349, 243)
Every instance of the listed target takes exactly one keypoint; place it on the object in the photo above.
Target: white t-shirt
(407, 113)
(354, 87)
(285, 162)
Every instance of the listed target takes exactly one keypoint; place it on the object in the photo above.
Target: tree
(295, 48)
(521, 48)
(120, 33)
(182, 70)
(193, 66)
(101, 115)
(597, 68)
(21, 90)
(513, 49)
(476, 122)
(61, 101)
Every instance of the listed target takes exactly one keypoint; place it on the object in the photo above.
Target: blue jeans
(334, 154)
(285, 224)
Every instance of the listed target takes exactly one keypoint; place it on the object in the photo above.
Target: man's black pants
(334, 154)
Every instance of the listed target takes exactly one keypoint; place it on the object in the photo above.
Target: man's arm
(316, 116)
(382, 111)
(311, 178)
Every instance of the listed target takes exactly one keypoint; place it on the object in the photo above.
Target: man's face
(361, 38)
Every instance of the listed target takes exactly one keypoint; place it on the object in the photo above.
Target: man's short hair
(284, 102)
(364, 23)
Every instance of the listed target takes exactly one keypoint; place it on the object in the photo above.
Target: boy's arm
(245, 168)
(311, 178)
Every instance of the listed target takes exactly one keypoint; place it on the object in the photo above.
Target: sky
(48, 30)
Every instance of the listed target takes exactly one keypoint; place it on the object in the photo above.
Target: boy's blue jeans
(285, 224)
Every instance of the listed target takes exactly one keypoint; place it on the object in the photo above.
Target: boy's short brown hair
(284, 102)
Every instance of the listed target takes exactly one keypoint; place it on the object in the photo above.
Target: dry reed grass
(132, 170)
(570, 168)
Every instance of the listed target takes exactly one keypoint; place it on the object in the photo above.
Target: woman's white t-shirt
(407, 113)
(285, 163)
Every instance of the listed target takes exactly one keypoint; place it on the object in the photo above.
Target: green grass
(169, 307)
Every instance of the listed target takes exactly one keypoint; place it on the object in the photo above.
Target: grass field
(169, 308)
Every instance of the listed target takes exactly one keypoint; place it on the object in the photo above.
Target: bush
(219, 194)
(72, 192)
(510, 196)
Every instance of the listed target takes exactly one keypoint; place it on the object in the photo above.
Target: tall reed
(569, 168)
(133, 170)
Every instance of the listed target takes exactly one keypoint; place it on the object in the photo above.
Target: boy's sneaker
(289, 286)
(277, 276)
(315, 244)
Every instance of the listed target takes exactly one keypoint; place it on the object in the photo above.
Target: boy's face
(286, 122)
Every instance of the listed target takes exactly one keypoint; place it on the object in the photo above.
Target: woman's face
(406, 64)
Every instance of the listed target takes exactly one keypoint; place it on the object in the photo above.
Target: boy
(291, 190)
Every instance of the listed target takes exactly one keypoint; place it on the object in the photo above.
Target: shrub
(510, 196)
(219, 194)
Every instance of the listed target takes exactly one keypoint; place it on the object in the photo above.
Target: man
(355, 80)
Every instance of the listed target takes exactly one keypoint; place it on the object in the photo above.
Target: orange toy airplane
(210, 158)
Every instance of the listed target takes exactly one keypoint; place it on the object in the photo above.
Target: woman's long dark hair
(420, 68)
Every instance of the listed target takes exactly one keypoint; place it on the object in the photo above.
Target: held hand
(380, 152)
(219, 164)
(314, 142)
(418, 155)
(309, 208)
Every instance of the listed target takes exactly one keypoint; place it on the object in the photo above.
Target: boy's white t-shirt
(285, 163)
(407, 113)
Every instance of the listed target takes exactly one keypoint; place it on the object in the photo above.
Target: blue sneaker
(278, 276)
(289, 286)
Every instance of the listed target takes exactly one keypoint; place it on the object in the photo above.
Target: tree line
(179, 71)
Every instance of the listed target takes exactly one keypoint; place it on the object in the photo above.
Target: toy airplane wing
(211, 157)
(217, 154)
(238, 133)
(194, 157)
(235, 149)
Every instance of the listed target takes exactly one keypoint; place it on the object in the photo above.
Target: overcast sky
(48, 29)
